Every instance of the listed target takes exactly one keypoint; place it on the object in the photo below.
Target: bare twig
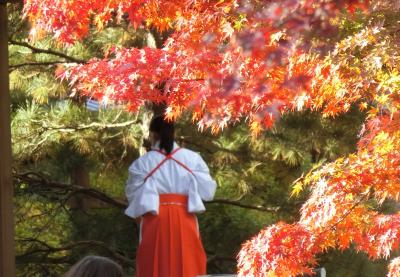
(15, 66)
(47, 51)
(242, 205)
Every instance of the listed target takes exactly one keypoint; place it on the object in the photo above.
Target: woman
(165, 189)
(95, 266)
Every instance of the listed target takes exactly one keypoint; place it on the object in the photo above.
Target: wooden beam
(7, 255)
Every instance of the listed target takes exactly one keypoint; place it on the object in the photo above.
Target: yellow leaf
(349, 197)
(297, 188)
(271, 274)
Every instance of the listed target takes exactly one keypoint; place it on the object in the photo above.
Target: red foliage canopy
(247, 57)
(232, 60)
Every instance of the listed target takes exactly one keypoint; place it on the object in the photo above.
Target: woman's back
(175, 175)
(183, 172)
(165, 188)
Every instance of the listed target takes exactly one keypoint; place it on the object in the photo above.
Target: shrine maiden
(165, 188)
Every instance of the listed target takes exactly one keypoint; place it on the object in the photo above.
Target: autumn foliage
(227, 61)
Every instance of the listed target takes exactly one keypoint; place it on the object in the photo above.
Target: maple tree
(231, 60)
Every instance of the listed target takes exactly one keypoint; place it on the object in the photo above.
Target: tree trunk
(7, 256)
(150, 109)
(149, 112)
(80, 176)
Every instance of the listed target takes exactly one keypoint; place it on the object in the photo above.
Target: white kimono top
(171, 177)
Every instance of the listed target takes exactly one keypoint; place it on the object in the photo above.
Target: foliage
(257, 60)
(225, 51)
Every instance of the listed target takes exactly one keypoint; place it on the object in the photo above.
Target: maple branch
(193, 80)
(47, 51)
(346, 214)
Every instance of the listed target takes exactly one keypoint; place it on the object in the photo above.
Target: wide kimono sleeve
(142, 194)
(202, 187)
(206, 184)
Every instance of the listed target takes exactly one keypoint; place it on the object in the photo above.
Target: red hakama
(170, 242)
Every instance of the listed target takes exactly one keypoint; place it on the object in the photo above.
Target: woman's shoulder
(143, 161)
(148, 159)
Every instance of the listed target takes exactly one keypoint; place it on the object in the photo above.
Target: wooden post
(7, 256)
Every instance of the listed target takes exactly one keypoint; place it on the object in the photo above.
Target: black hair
(95, 266)
(165, 130)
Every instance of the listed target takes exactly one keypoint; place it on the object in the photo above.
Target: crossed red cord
(167, 157)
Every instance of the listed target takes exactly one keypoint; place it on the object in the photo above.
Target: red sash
(171, 245)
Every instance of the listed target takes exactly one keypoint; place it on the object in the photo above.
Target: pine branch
(47, 131)
(44, 250)
(47, 51)
(94, 125)
(37, 145)
(41, 182)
